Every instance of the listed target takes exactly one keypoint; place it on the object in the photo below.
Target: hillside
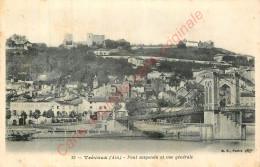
(61, 65)
(190, 53)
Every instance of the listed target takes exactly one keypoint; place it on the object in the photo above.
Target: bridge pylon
(219, 124)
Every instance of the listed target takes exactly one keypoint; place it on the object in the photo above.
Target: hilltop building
(97, 39)
(102, 52)
(68, 41)
(190, 43)
(19, 44)
(207, 44)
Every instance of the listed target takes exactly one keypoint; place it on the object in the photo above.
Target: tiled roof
(97, 99)
(63, 103)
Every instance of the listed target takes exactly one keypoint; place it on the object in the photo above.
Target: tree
(31, 113)
(8, 114)
(15, 40)
(110, 44)
(117, 107)
(24, 117)
(80, 116)
(174, 81)
(163, 103)
(72, 114)
(84, 113)
(37, 114)
(228, 58)
(137, 106)
(183, 69)
(181, 45)
(44, 114)
(50, 114)
(182, 100)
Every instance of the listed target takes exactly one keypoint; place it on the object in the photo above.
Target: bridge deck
(187, 112)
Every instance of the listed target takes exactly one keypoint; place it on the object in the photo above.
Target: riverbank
(68, 132)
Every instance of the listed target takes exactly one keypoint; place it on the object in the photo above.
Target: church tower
(95, 82)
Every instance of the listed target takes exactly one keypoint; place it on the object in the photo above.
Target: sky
(233, 25)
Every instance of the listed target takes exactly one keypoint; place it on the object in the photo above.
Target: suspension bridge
(220, 122)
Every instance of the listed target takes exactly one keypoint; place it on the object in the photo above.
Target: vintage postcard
(129, 83)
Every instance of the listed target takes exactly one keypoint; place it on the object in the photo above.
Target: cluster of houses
(79, 101)
(58, 104)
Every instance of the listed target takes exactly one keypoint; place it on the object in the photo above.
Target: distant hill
(190, 53)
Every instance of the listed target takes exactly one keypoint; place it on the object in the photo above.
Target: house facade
(102, 52)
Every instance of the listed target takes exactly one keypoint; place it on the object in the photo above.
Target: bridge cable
(183, 97)
(235, 84)
(187, 94)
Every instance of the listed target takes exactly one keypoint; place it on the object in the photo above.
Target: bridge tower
(222, 92)
(211, 97)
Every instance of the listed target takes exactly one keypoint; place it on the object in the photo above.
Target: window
(57, 107)
(206, 94)
(210, 94)
(91, 107)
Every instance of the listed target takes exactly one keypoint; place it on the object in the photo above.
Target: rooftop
(97, 99)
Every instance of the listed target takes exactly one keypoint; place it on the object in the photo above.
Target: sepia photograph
(129, 83)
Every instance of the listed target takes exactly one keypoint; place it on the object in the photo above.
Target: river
(130, 145)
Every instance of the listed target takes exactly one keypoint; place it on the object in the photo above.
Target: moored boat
(154, 134)
(19, 137)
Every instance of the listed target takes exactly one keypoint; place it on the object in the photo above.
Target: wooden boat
(19, 137)
(154, 134)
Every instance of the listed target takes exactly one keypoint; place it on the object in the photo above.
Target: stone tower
(90, 39)
(211, 97)
(221, 93)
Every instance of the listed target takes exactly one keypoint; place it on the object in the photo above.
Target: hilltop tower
(89, 39)
(68, 39)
